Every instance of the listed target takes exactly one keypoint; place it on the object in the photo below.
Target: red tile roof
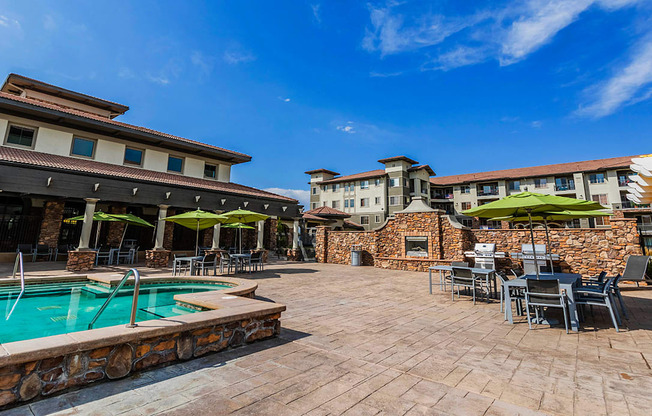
(108, 121)
(364, 175)
(327, 212)
(45, 160)
(419, 167)
(353, 224)
(311, 217)
(545, 170)
(310, 172)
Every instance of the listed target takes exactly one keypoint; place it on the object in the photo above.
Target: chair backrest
(611, 282)
(63, 248)
(42, 248)
(602, 275)
(542, 286)
(503, 278)
(462, 273)
(517, 272)
(256, 255)
(225, 256)
(210, 257)
(24, 248)
(459, 264)
(636, 268)
(177, 255)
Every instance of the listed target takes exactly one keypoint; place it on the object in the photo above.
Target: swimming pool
(59, 308)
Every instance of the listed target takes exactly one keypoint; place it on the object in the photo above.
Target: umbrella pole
(97, 232)
(548, 252)
(534, 252)
(197, 240)
(124, 232)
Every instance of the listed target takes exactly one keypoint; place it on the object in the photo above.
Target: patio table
(567, 282)
(190, 259)
(240, 260)
(487, 273)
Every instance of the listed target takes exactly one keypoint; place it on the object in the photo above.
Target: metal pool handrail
(134, 303)
(18, 263)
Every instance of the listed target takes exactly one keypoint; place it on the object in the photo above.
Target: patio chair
(515, 295)
(26, 249)
(596, 297)
(256, 260)
(104, 253)
(636, 269)
(126, 254)
(42, 250)
(178, 267)
(517, 272)
(461, 277)
(544, 293)
(228, 261)
(208, 262)
(61, 250)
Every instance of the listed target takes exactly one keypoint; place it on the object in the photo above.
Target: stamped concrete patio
(366, 341)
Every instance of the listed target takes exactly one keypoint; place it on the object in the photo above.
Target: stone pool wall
(33, 379)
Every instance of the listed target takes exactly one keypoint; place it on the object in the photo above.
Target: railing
(488, 193)
(567, 187)
(623, 181)
(134, 303)
(18, 264)
(645, 229)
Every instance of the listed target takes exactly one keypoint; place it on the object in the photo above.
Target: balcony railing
(566, 187)
(623, 181)
(629, 205)
(487, 192)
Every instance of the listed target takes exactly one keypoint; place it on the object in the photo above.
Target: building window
(515, 185)
(466, 205)
(424, 188)
(394, 182)
(364, 220)
(364, 202)
(335, 204)
(465, 189)
(335, 187)
(346, 203)
(394, 200)
(540, 183)
(21, 136)
(405, 182)
(596, 178)
(133, 156)
(323, 204)
(175, 164)
(314, 205)
(377, 182)
(314, 190)
(351, 203)
(377, 200)
(210, 171)
(377, 219)
(364, 184)
(83, 147)
(324, 188)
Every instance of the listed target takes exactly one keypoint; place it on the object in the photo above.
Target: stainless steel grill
(527, 256)
(485, 255)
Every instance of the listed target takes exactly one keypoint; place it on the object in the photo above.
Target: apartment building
(603, 180)
(63, 153)
(370, 197)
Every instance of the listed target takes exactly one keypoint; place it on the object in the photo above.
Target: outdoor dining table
(489, 275)
(567, 282)
(190, 259)
(240, 260)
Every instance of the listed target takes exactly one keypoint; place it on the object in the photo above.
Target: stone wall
(115, 228)
(30, 380)
(80, 260)
(587, 251)
(157, 259)
(51, 224)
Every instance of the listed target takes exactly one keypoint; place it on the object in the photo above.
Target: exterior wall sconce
(245, 203)
(284, 208)
(49, 182)
(265, 206)
(223, 201)
(197, 198)
(167, 195)
(96, 187)
(133, 191)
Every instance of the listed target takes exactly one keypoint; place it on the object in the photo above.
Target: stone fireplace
(416, 246)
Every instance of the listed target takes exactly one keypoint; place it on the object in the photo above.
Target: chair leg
(565, 318)
(527, 311)
(473, 292)
(622, 303)
(611, 312)
(615, 308)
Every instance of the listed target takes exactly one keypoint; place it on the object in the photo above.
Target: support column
(261, 234)
(294, 254)
(51, 225)
(216, 236)
(85, 238)
(159, 256)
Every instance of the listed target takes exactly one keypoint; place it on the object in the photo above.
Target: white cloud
(539, 26)
(622, 88)
(303, 196)
(9, 22)
(347, 128)
(458, 57)
(201, 61)
(236, 56)
(284, 99)
(316, 12)
(49, 23)
(126, 73)
(536, 124)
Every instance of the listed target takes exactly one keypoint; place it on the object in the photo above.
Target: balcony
(488, 192)
(565, 187)
(623, 181)
(629, 205)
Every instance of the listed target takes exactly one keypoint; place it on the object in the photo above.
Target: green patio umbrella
(98, 216)
(239, 226)
(197, 220)
(242, 216)
(528, 204)
(554, 216)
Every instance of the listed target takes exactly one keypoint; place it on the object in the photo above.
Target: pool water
(59, 308)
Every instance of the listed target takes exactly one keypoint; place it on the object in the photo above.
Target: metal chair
(42, 250)
(596, 297)
(177, 266)
(61, 250)
(544, 293)
(103, 253)
(126, 254)
(636, 269)
(256, 260)
(209, 261)
(26, 249)
(515, 295)
(228, 261)
(461, 277)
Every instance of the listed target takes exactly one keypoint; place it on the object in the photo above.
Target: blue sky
(463, 86)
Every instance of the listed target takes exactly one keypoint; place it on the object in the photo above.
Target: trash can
(356, 255)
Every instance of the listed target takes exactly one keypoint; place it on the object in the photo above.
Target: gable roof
(327, 212)
(310, 172)
(11, 155)
(535, 171)
(395, 158)
(364, 175)
(419, 167)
